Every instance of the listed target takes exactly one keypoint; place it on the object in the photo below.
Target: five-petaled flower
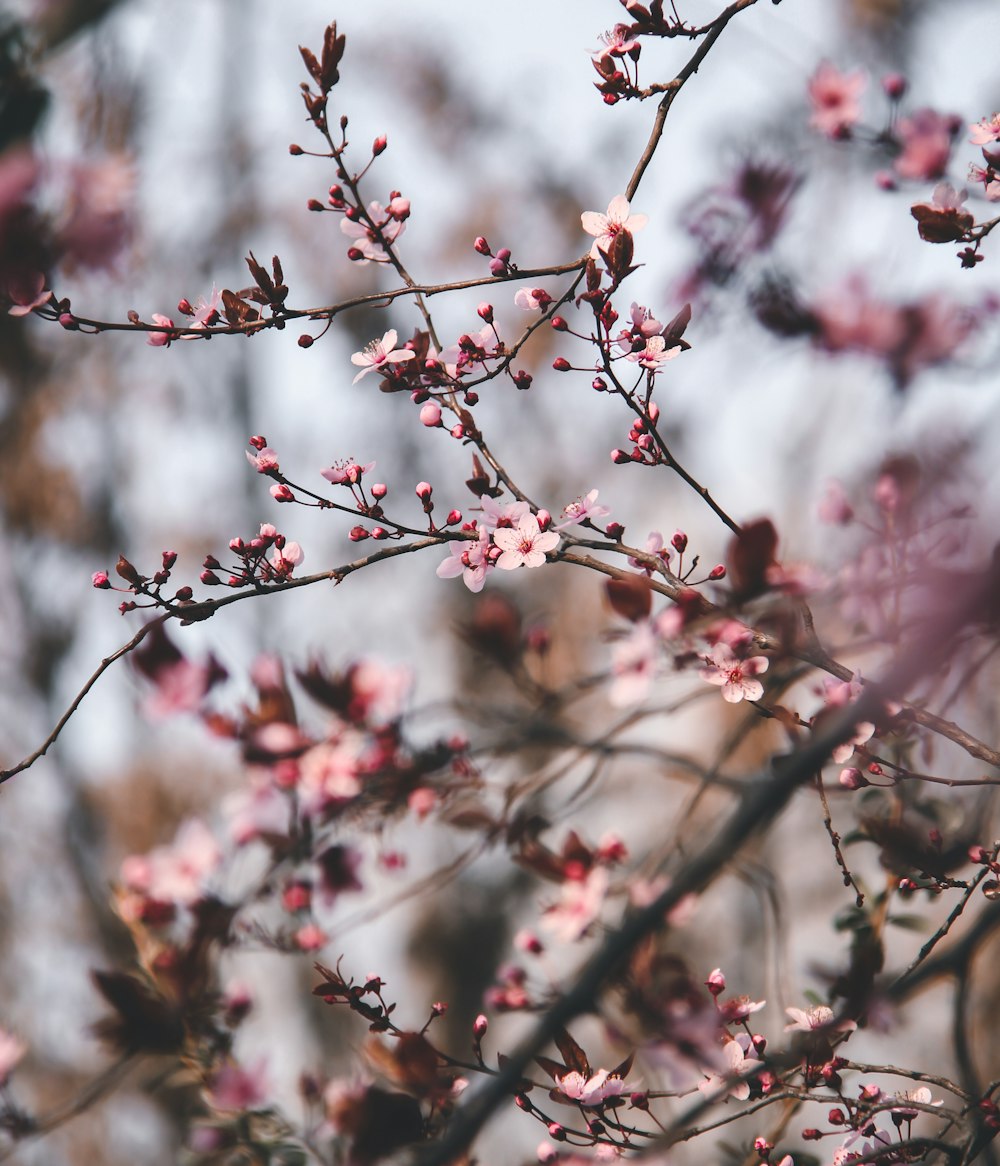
(817, 1017)
(985, 131)
(593, 1090)
(379, 353)
(524, 545)
(835, 100)
(734, 674)
(654, 354)
(605, 227)
(616, 42)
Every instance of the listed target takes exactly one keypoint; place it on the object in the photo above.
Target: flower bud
(210, 579)
(717, 572)
(183, 594)
(68, 322)
(894, 85)
(295, 150)
(399, 208)
(480, 1025)
(620, 457)
(522, 379)
(503, 254)
(481, 245)
(598, 384)
(485, 312)
(315, 205)
(457, 431)
(354, 254)
(559, 324)
(100, 580)
(424, 490)
(430, 414)
(379, 145)
(561, 364)
(379, 490)
(615, 530)
(679, 542)
(357, 534)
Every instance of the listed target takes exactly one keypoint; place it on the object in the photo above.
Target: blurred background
(158, 143)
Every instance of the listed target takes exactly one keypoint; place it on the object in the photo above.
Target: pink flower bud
(100, 580)
(679, 542)
(399, 208)
(522, 379)
(620, 457)
(716, 982)
(430, 414)
(424, 490)
(614, 530)
(497, 267)
(357, 534)
(354, 254)
(561, 364)
(184, 307)
(717, 572)
(379, 490)
(654, 412)
(184, 594)
(168, 559)
(481, 245)
(503, 254)
(852, 778)
(379, 532)
(68, 322)
(457, 431)
(556, 1132)
(210, 579)
(894, 85)
(315, 205)
(544, 519)
(885, 180)
(598, 384)
(480, 1025)
(336, 193)
(379, 145)
(485, 312)
(559, 324)
(258, 442)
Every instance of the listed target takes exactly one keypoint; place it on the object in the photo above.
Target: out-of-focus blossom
(818, 1017)
(944, 219)
(95, 225)
(234, 1089)
(633, 665)
(738, 1065)
(177, 873)
(12, 1049)
(926, 138)
(578, 907)
(27, 293)
(835, 98)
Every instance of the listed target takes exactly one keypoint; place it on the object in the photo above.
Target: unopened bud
(357, 534)
(295, 150)
(306, 341)
(485, 312)
(522, 379)
(457, 431)
(354, 254)
(614, 530)
(430, 414)
(424, 490)
(717, 572)
(481, 245)
(480, 1025)
(210, 579)
(379, 145)
(620, 457)
(315, 205)
(561, 364)
(679, 542)
(100, 580)
(559, 324)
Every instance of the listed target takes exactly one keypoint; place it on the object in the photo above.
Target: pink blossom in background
(177, 873)
(524, 545)
(379, 353)
(366, 240)
(235, 1089)
(633, 665)
(835, 98)
(12, 1049)
(27, 293)
(96, 222)
(735, 675)
(737, 1065)
(379, 691)
(605, 227)
(579, 906)
(981, 133)
(258, 812)
(926, 137)
(819, 1016)
(591, 1090)
(330, 773)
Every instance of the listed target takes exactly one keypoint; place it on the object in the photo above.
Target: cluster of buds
(138, 584)
(255, 565)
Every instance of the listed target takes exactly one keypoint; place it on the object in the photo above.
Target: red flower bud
(295, 150)
(100, 580)
(481, 245)
(561, 364)
(379, 145)
(357, 534)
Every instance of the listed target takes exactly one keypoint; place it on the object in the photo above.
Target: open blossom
(161, 339)
(591, 1090)
(654, 354)
(835, 99)
(578, 907)
(945, 218)
(583, 508)
(468, 559)
(531, 298)
(606, 227)
(735, 675)
(346, 472)
(616, 42)
(265, 461)
(12, 1049)
(525, 545)
(366, 239)
(738, 1065)
(285, 561)
(985, 131)
(204, 314)
(819, 1016)
(379, 353)
(644, 322)
(926, 136)
(506, 514)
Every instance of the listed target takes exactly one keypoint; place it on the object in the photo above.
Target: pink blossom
(863, 732)
(532, 298)
(235, 1090)
(654, 354)
(265, 461)
(347, 472)
(654, 546)
(735, 674)
(507, 514)
(633, 665)
(985, 131)
(259, 812)
(366, 239)
(27, 293)
(926, 137)
(204, 314)
(616, 42)
(835, 98)
(468, 559)
(524, 546)
(585, 507)
(283, 562)
(643, 322)
(818, 1017)
(95, 223)
(834, 508)
(737, 1065)
(919, 1096)
(379, 353)
(329, 773)
(379, 691)
(12, 1049)
(605, 227)
(591, 1091)
(176, 873)
(161, 339)
(579, 905)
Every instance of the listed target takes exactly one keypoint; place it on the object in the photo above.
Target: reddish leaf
(630, 596)
(573, 1055)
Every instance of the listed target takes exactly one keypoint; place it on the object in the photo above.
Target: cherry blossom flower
(735, 674)
(329, 773)
(468, 559)
(525, 545)
(161, 339)
(204, 314)
(926, 136)
(643, 322)
(605, 227)
(819, 1016)
(654, 354)
(258, 812)
(835, 99)
(507, 514)
(12, 1049)
(944, 219)
(347, 472)
(581, 509)
(591, 1091)
(985, 131)
(616, 42)
(379, 691)
(366, 239)
(27, 293)
(654, 546)
(532, 298)
(737, 1066)
(633, 665)
(234, 1089)
(265, 461)
(379, 353)
(179, 872)
(579, 905)
(920, 1096)
(283, 562)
